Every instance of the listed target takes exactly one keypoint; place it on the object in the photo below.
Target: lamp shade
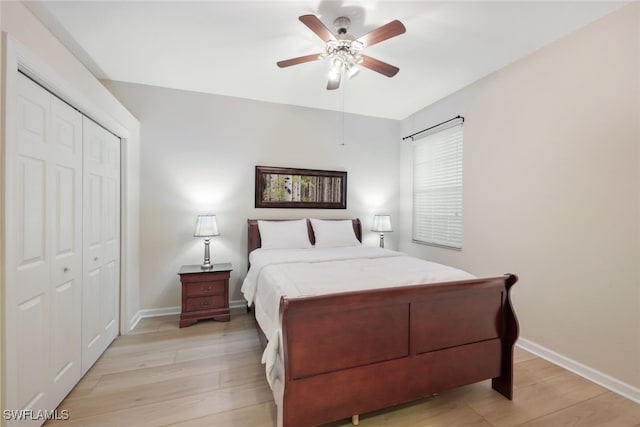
(206, 226)
(381, 223)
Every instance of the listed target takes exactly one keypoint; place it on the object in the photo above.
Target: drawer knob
(208, 288)
(205, 302)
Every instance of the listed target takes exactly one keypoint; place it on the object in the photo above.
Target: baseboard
(606, 381)
(166, 311)
(237, 304)
(134, 321)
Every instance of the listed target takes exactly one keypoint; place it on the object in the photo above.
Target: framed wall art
(300, 188)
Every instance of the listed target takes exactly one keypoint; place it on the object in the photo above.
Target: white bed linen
(275, 273)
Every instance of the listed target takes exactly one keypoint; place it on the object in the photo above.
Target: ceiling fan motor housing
(342, 24)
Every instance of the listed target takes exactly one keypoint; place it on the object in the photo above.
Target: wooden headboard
(254, 241)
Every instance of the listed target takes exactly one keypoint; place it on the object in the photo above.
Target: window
(437, 186)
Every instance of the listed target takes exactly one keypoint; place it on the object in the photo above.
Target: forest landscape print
(300, 188)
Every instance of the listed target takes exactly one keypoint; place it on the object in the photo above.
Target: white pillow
(332, 234)
(284, 234)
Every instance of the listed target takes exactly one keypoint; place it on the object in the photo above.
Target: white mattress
(275, 273)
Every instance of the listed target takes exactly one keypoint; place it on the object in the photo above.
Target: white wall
(552, 191)
(20, 24)
(199, 154)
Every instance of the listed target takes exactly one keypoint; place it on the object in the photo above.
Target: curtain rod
(434, 126)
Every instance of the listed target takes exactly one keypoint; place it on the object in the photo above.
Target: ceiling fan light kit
(344, 51)
(344, 56)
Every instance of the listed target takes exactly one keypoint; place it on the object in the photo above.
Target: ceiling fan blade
(333, 84)
(317, 27)
(380, 34)
(379, 66)
(298, 60)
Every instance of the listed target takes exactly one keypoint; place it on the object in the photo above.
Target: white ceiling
(231, 47)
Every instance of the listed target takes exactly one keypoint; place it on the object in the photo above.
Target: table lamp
(381, 223)
(206, 227)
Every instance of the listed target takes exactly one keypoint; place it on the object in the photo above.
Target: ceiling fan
(344, 50)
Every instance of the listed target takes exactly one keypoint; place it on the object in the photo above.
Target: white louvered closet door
(101, 241)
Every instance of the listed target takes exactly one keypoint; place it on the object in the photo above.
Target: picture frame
(278, 187)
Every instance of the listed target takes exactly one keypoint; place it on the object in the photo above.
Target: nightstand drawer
(204, 288)
(205, 303)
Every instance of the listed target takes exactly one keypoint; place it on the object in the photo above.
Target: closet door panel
(65, 350)
(34, 118)
(101, 241)
(66, 272)
(93, 213)
(93, 278)
(28, 258)
(32, 348)
(31, 198)
(109, 300)
(91, 331)
(31, 226)
(111, 264)
(110, 296)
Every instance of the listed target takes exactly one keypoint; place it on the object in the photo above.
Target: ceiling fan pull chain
(343, 89)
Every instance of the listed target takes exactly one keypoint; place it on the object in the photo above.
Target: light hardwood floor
(210, 375)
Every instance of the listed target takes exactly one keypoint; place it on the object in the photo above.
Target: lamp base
(382, 240)
(206, 265)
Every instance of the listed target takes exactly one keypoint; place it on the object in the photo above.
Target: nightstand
(205, 293)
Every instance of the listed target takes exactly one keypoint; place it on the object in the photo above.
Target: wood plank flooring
(210, 375)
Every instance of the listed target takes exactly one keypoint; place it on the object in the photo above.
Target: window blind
(437, 188)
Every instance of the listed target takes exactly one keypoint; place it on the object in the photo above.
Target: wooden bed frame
(356, 352)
